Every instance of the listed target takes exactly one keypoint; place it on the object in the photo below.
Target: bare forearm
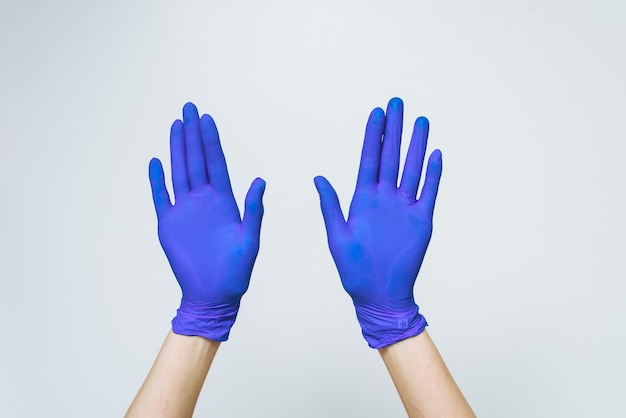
(176, 378)
(422, 379)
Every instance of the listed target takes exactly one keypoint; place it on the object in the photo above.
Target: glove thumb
(331, 209)
(253, 213)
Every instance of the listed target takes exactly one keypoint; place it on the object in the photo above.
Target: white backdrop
(523, 283)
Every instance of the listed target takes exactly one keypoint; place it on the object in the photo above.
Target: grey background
(523, 283)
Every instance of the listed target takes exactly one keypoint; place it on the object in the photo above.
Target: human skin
(422, 379)
(211, 250)
(378, 252)
(172, 387)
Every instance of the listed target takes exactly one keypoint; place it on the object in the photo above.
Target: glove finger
(253, 213)
(180, 180)
(160, 196)
(196, 164)
(415, 158)
(370, 155)
(214, 156)
(331, 209)
(431, 184)
(390, 154)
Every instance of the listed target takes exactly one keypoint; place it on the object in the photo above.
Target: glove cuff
(382, 328)
(212, 322)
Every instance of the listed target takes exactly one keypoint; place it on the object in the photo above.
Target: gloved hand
(379, 250)
(210, 249)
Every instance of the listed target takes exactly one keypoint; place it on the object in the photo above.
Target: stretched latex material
(211, 250)
(379, 250)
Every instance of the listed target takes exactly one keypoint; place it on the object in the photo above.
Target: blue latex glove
(379, 250)
(210, 249)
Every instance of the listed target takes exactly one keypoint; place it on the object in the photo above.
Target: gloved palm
(210, 249)
(378, 251)
(207, 249)
(383, 249)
